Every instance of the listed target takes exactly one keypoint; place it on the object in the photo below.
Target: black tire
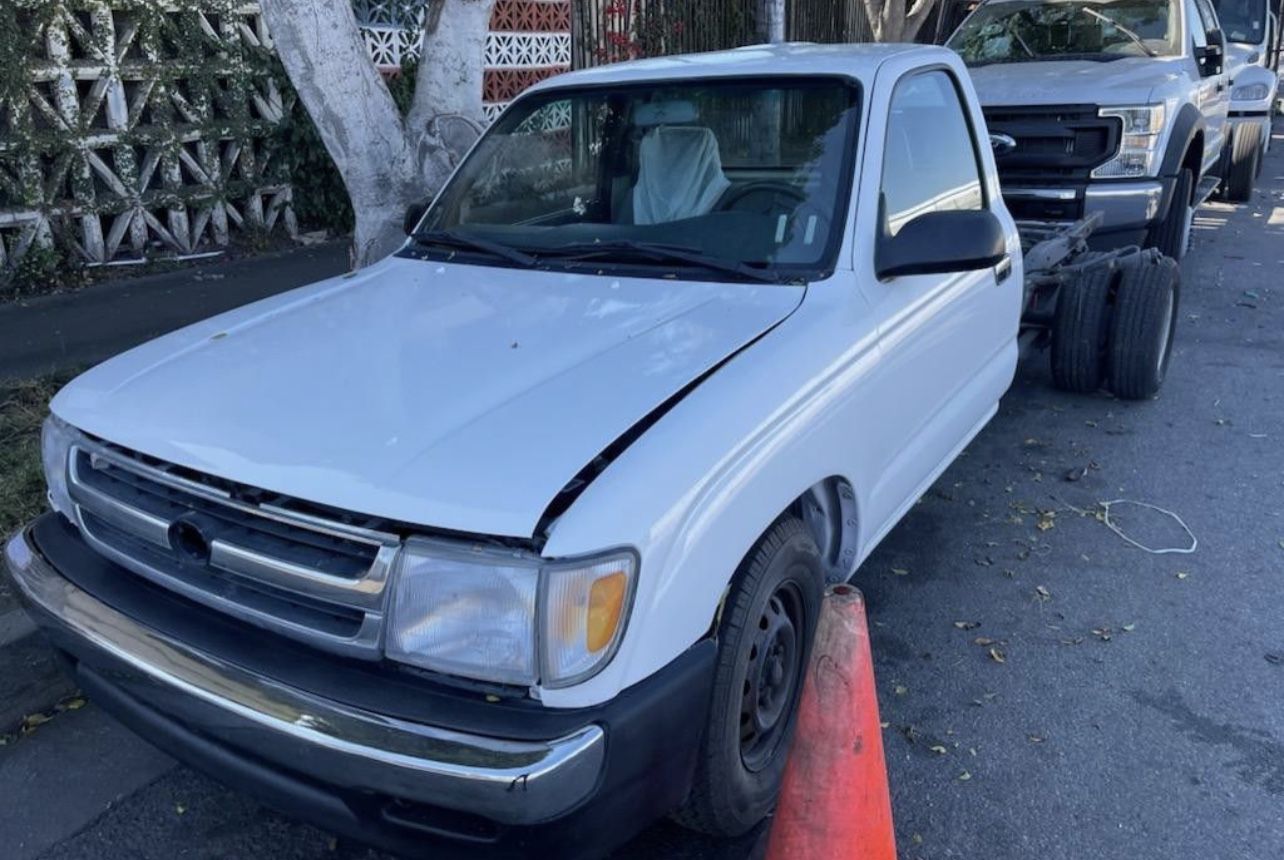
(1145, 321)
(1244, 164)
(1171, 235)
(739, 766)
(1081, 330)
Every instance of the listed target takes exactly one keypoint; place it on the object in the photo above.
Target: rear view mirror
(940, 242)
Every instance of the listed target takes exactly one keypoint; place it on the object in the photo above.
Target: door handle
(1003, 270)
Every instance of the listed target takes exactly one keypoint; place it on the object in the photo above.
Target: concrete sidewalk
(74, 329)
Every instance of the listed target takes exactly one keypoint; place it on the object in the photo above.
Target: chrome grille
(235, 549)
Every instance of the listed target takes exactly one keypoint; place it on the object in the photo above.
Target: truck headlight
(56, 438)
(1138, 152)
(1250, 92)
(508, 616)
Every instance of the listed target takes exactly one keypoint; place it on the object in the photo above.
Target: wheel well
(1194, 158)
(828, 509)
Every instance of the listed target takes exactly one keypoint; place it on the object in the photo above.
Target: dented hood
(460, 397)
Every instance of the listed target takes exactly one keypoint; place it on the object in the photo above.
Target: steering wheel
(775, 198)
(769, 189)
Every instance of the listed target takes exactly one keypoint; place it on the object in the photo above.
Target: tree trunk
(385, 163)
(896, 20)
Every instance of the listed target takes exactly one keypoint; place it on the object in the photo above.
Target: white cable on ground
(1194, 541)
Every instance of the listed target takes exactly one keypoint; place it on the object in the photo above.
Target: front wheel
(1145, 320)
(768, 621)
(1244, 164)
(1172, 235)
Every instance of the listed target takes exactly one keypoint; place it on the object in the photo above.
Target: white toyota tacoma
(515, 541)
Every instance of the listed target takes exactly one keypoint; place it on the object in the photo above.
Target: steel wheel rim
(772, 677)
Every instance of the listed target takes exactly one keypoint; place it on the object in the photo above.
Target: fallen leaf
(1037, 739)
(1181, 574)
(967, 625)
(938, 749)
(1075, 641)
(1128, 628)
(1274, 659)
(31, 721)
(900, 571)
(997, 656)
(900, 690)
(983, 641)
(180, 808)
(73, 704)
(964, 776)
(1102, 633)
(1042, 594)
(916, 839)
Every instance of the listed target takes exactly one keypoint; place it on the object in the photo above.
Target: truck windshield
(1242, 21)
(1022, 31)
(724, 179)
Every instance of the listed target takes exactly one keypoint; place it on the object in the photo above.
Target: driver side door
(1213, 89)
(947, 341)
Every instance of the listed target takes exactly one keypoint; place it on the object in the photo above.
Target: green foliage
(44, 269)
(23, 407)
(320, 198)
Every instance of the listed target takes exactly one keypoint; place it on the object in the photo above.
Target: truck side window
(926, 165)
(1195, 25)
(1203, 26)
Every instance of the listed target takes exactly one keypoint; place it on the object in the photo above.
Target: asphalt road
(1137, 708)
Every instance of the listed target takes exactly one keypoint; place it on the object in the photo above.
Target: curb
(31, 679)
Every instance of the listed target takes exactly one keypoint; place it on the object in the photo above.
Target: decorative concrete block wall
(136, 128)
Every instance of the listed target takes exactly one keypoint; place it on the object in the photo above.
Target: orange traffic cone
(834, 803)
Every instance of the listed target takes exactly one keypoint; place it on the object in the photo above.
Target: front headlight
(1138, 153)
(507, 616)
(1250, 93)
(56, 437)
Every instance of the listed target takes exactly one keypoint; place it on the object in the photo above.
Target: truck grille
(1054, 144)
(262, 558)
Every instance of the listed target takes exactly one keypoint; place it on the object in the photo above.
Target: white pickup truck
(515, 541)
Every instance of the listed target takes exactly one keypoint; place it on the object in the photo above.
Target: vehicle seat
(679, 174)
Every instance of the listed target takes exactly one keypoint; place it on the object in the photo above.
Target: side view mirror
(1210, 56)
(940, 242)
(414, 214)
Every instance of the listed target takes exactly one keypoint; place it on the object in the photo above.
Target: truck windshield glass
(1021, 31)
(739, 180)
(1242, 20)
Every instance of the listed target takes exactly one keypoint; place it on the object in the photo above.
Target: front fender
(695, 492)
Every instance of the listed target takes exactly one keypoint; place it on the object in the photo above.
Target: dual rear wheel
(1114, 326)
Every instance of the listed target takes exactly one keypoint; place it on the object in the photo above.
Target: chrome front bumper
(512, 782)
(1121, 204)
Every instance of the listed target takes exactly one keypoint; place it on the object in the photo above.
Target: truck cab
(1117, 107)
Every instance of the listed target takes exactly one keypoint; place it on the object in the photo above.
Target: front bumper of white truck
(366, 750)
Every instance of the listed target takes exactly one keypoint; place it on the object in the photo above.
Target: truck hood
(1129, 81)
(453, 396)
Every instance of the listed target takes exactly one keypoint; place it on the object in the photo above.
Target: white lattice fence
(137, 127)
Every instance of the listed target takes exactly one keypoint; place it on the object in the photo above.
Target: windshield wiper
(454, 239)
(1106, 19)
(658, 251)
